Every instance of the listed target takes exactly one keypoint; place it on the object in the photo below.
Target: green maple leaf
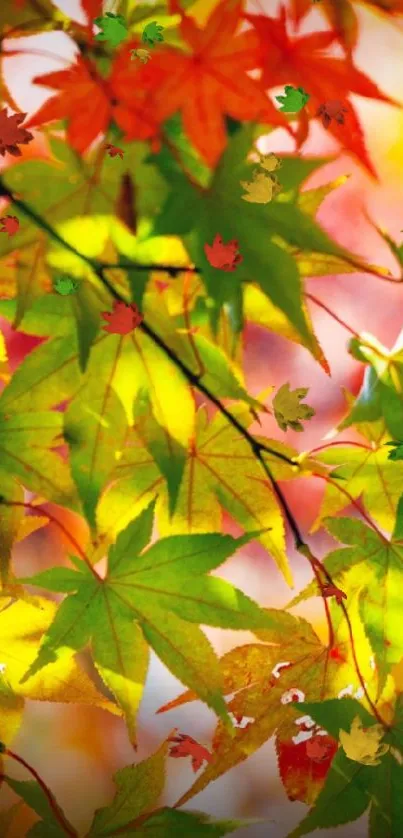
(362, 471)
(288, 409)
(211, 481)
(114, 29)
(152, 33)
(380, 396)
(197, 215)
(397, 452)
(65, 285)
(156, 597)
(294, 100)
(351, 787)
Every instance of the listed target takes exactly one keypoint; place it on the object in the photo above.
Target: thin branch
(60, 817)
(99, 270)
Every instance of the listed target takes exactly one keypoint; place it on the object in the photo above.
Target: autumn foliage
(145, 228)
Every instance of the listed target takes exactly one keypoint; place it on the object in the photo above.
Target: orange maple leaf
(188, 747)
(301, 61)
(89, 102)
(123, 319)
(223, 256)
(114, 150)
(211, 79)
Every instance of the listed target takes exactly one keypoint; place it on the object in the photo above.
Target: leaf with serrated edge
(163, 590)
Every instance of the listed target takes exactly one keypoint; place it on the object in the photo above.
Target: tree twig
(258, 448)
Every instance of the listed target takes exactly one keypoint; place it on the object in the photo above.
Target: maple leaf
(11, 134)
(364, 744)
(317, 749)
(123, 319)
(156, 597)
(397, 450)
(294, 100)
(10, 225)
(114, 150)
(114, 29)
(142, 54)
(152, 33)
(223, 256)
(261, 189)
(301, 59)
(211, 481)
(331, 110)
(332, 590)
(303, 767)
(211, 80)
(288, 410)
(64, 681)
(269, 162)
(135, 807)
(365, 471)
(246, 674)
(350, 788)
(88, 105)
(65, 285)
(188, 747)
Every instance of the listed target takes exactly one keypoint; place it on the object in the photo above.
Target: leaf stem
(60, 817)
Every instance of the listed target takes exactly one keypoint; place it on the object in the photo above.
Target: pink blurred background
(78, 749)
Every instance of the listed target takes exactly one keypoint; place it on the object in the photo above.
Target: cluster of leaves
(101, 417)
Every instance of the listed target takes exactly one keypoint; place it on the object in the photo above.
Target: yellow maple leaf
(261, 189)
(363, 744)
(21, 630)
(269, 162)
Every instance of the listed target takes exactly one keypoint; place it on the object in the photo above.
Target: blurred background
(77, 749)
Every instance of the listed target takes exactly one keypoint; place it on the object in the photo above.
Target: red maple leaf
(188, 747)
(223, 256)
(114, 150)
(89, 102)
(91, 9)
(317, 749)
(11, 134)
(331, 110)
(10, 225)
(211, 79)
(332, 590)
(301, 775)
(300, 61)
(123, 319)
